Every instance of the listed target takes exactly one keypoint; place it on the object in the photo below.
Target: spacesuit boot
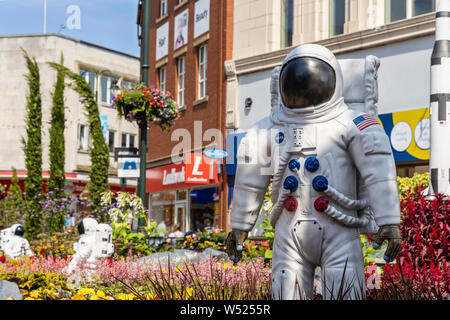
(316, 148)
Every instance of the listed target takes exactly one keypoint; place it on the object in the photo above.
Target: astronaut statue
(317, 149)
(95, 242)
(12, 242)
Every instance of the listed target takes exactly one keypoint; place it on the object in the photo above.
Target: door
(181, 216)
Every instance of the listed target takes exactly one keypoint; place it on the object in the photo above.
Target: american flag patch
(364, 121)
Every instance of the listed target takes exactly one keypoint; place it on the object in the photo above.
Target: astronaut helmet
(17, 230)
(87, 226)
(310, 76)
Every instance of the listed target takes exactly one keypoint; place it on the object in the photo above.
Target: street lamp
(144, 75)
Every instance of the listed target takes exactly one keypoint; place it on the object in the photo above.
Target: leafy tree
(33, 147)
(56, 132)
(99, 152)
(13, 206)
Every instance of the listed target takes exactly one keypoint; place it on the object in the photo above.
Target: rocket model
(440, 104)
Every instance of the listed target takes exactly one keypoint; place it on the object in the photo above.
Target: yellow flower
(101, 293)
(28, 298)
(124, 296)
(189, 292)
(85, 291)
(78, 297)
(34, 294)
(94, 297)
(150, 296)
(10, 298)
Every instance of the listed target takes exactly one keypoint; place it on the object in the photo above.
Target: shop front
(186, 193)
(409, 134)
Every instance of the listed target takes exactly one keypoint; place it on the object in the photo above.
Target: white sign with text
(201, 18)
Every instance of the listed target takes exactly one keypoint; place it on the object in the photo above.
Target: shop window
(204, 208)
(337, 17)
(182, 194)
(287, 22)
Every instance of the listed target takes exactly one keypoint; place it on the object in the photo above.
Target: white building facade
(400, 33)
(101, 68)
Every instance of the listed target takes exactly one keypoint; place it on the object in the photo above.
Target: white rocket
(440, 104)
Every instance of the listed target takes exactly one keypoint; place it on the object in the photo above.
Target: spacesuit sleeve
(371, 152)
(251, 181)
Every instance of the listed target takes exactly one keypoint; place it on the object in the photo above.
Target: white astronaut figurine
(12, 242)
(94, 242)
(104, 247)
(316, 147)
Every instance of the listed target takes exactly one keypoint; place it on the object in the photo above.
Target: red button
(290, 204)
(321, 204)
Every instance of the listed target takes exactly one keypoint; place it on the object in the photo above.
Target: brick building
(189, 42)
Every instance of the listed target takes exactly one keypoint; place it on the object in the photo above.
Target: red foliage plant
(425, 229)
(422, 270)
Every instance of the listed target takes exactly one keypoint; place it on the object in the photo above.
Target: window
(181, 65)
(127, 84)
(287, 22)
(423, 6)
(395, 10)
(83, 137)
(128, 140)
(111, 140)
(337, 17)
(90, 77)
(162, 79)
(403, 9)
(202, 67)
(163, 8)
(107, 95)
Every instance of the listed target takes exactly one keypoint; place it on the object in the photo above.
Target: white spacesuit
(104, 247)
(94, 242)
(315, 147)
(12, 242)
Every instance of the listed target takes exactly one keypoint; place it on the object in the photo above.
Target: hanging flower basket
(142, 103)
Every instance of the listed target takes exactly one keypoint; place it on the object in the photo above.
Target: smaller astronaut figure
(12, 242)
(104, 247)
(95, 242)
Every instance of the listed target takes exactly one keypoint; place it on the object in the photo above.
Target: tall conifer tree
(57, 141)
(33, 147)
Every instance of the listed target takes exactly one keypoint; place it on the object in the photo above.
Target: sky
(108, 23)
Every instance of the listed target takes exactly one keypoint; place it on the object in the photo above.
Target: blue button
(294, 165)
(279, 138)
(312, 164)
(320, 183)
(290, 183)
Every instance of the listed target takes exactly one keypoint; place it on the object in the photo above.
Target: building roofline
(31, 35)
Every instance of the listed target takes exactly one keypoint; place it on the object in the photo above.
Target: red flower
(3, 259)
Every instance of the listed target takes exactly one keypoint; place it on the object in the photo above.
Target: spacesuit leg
(292, 274)
(343, 260)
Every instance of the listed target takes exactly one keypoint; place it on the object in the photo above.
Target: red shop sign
(196, 170)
